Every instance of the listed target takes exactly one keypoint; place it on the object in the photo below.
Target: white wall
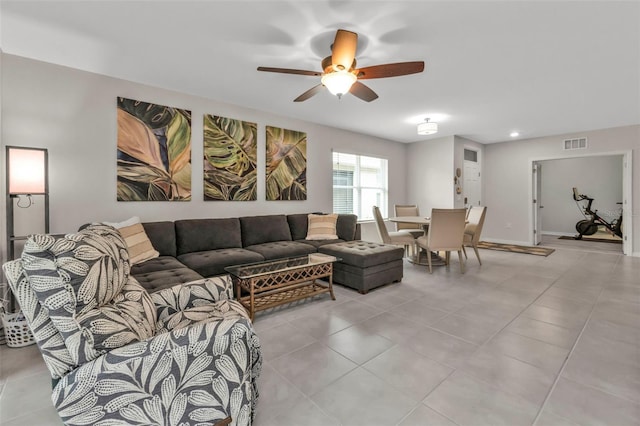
(73, 114)
(598, 177)
(430, 174)
(507, 178)
(431, 169)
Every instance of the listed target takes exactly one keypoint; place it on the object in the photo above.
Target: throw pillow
(138, 243)
(322, 227)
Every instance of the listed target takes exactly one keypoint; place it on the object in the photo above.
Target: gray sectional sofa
(192, 249)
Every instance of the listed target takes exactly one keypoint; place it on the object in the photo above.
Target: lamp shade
(26, 170)
(339, 82)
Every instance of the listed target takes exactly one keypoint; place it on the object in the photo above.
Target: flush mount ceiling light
(514, 134)
(427, 128)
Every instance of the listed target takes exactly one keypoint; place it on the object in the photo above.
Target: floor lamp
(27, 175)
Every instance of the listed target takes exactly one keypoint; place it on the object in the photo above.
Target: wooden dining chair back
(446, 233)
(473, 229)
(399, 238)
(408, 210)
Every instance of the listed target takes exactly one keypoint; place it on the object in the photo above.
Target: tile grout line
(308, 397)
(479, 347)
(569, 355)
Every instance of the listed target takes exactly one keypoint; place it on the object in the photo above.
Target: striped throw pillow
(138, 243)
(322, 227)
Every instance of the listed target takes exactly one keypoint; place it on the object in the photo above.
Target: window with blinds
(359, 183)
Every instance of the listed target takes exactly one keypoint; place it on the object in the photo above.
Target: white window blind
(359, 183)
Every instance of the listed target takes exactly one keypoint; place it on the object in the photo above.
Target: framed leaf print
(154, 152)
(286, 167)
(230, 152)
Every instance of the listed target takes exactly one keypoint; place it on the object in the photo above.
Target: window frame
(358, 188)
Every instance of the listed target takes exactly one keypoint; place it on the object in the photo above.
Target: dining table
(421, 255)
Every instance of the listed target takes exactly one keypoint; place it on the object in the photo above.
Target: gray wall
(430, 174)
(598, 177)
(507, 178)
(73, 114)
(431, 168)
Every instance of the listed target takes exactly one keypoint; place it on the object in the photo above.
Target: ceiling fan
(340, 74)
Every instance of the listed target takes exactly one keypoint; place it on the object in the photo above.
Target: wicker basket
(16, 330)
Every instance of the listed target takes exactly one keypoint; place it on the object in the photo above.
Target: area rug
(538, 251)
(594, 239)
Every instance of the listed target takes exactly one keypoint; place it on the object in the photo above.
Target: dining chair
(473, 229)
(408, 210)
(399, 238)
(446, 233)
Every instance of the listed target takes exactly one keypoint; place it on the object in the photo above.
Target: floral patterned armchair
(185, 355)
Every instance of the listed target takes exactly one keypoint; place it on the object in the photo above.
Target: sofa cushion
(196, 235)
(322, 227)
(346, 227)
(298, 224)
(163, 272)
(264, 229)
(213, 262)
(319, 243)
(83, 281)
(162, 236)
(161, 263)
(281, 249)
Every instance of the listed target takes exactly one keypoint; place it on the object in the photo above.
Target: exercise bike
(592, 221)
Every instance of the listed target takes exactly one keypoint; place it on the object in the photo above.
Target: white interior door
(537, 203)
(472, 176)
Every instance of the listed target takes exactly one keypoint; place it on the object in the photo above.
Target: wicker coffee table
(263, 285)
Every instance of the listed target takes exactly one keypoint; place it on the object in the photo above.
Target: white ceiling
(538, 67)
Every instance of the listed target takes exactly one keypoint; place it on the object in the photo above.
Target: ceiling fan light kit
(338, 82)
(340, 74)
(427, 128)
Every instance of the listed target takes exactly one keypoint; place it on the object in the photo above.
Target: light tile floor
(520, 340)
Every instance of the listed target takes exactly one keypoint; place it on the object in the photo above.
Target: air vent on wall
(578, 143)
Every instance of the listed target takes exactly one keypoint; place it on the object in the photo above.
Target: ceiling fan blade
(344, 49)
(390, 70)
(290, 71)
(309, 93)
(363, 92)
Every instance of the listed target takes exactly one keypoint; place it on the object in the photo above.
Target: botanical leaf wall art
(230, 152)
(286, 164)
(154, 152)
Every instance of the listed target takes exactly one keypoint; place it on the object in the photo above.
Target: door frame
(536, 200)
(479, 156)
(627, 192)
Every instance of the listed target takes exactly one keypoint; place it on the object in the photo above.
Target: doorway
(604, 176)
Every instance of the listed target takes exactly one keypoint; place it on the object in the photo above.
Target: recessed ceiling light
(514, 134)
